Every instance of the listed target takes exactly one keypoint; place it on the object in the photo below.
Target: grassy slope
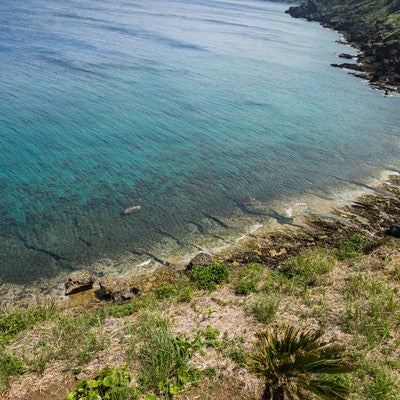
(350, 294)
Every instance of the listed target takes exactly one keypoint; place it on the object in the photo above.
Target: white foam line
(144, 263)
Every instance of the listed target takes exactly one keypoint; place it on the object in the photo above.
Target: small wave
(145, 263)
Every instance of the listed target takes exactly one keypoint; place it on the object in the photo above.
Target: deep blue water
(187, 108)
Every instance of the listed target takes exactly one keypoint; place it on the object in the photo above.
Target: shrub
(295, 364)
(245, 287)
(208, 277)
(185, 295)
(165, 291)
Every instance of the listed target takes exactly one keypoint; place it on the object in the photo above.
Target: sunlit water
(194, 110)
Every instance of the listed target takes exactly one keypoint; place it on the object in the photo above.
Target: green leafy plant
(131, 307)
(208, 277)
(110, 384)
(295, 363)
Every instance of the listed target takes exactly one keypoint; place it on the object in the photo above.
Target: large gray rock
(200, 259)
(117, 289)
(78, 281)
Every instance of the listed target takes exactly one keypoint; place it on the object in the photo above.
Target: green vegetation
(208, 277)
(9, 366)
(110, 384)
(249, 278)
(264, 308)
(181, 342)
(351, 248)
(308, 268)
(295, 363)
(373, 24)
(164, 358)
(16, 320)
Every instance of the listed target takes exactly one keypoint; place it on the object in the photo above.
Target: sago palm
(295, 365)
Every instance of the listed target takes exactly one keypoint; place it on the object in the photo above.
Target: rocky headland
(371, 26)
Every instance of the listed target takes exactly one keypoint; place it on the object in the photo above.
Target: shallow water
(202, 112)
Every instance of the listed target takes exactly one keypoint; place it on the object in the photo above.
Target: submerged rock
(131, 210)
(78, 281)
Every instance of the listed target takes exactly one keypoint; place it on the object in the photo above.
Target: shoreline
(298, 224)
(378, 58)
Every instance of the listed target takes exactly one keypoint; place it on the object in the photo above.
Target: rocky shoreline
(373, 29)
(374, 215)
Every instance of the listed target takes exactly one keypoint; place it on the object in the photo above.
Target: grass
(264, 308)
(164, 358)
(171, 345)
(309, 268)
(351, 247)
(15, 320)
(383, 385)
(249, 279)
(9, 366)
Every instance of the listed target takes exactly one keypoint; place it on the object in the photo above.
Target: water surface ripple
(193, 110)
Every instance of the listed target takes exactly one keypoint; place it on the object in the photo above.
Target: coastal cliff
(371, 26)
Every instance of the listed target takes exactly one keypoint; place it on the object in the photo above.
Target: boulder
(78, 281)
(117, 289)
(200, 259)
(394, 231)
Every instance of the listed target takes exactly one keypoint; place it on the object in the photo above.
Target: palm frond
(291, 358)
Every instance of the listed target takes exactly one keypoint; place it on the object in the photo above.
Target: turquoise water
(186, 108)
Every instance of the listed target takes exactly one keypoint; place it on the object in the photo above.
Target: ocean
(203, 115)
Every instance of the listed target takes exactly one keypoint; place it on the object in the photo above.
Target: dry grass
(322, 304)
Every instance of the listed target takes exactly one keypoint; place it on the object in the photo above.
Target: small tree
(295, 365)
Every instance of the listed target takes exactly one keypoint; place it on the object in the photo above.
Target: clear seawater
(193, 109)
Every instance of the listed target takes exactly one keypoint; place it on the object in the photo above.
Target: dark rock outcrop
(372, 27)
(200, 259)
(394, 231)
(78, 281)
(345, 55)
